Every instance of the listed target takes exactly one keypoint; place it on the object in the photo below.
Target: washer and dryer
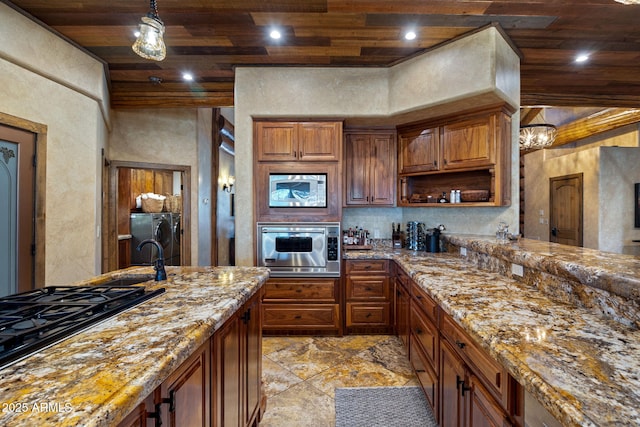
(163, 227)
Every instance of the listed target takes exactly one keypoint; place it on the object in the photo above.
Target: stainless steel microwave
(297, 191)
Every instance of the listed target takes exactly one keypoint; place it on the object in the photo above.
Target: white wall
(44, 79)
(433, 84)
(165, 136)
(608, 163)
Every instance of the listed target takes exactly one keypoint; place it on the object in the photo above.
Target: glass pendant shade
(533, 137)
(150, 42)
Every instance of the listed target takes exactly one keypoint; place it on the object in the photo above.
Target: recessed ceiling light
(410, 35)
(275, 34)
(187, 77)
(583, 57)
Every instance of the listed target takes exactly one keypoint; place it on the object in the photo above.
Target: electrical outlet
(463, 251)
(376, 233)
(517, 270)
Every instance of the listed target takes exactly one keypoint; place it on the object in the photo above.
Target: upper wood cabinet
(298, 141)
(470, 143)
(470, 151)
(369, 168)
(419, 150)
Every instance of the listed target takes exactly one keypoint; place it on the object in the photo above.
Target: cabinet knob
(460, 344)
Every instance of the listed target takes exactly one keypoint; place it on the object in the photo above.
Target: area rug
(383, 407)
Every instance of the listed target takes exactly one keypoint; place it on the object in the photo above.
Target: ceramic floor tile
(271, 344)
(301, 374)
(357, 372)
(308, 358)
(276, 378)
(300, 406)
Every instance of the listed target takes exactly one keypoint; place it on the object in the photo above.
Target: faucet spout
(158, 264)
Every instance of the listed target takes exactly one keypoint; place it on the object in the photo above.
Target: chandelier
(534, 137)
(150, 44)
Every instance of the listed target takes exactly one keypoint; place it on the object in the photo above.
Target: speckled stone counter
(96, 377)
(582, 365)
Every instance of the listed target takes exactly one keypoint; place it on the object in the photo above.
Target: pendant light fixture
(535, 137)
(150, 43)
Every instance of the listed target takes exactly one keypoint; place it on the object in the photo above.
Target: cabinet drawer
(426, 375)
(367, 288)
(314, 290)
(376, 266)
(425, 332)
(494, 376)
(300, 316)
(425, 302)
(362, 314)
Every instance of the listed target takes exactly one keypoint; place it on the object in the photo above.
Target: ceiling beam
(602, 121)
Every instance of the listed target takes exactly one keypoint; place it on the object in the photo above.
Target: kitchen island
(98, 376)
(566, 329)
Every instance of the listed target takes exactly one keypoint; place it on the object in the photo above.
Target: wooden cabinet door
(320, 141)
(420, 151)
(382, 174)
(426, 376)
(452, 381)
(276, 141)
(185, 395)
(228, 376)
(138, 417)
(469, 143)
(252, 326)
(402, 311)
(483, 410)
(357, 167)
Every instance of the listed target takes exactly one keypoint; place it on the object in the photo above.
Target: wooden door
(357, 160)
(185, 395)
(565, 207)
(452, 380)
(420, 151)
(17, 210)
(382, 175)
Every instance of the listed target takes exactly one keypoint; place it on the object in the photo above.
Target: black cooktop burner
(35, 319)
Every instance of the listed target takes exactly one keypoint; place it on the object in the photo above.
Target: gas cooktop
(30, 321)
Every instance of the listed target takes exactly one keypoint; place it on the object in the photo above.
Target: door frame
(40, 131)
(110, 210)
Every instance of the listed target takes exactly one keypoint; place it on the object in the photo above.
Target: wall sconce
(150, 44)
(227, 183)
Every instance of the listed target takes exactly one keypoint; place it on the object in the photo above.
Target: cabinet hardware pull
(246, 316)
(420, 370)
(172, 408)
(461, 382)
(435, 163)
(368, 315)
(298, 317)
(445, 161)
(460, 344)
(418, 331)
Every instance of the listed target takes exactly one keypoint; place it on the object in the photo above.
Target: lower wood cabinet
(219, 385)
(403, 296)
(301, 306)
(368, 296)
(463, 384)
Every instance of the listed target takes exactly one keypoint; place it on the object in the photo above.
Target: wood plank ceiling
(209, 38)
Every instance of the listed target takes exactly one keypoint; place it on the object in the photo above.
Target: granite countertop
(96, 377)
(584, 368)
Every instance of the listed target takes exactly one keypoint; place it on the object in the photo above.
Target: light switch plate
(517, 270)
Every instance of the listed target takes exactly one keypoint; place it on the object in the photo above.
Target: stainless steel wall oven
(299, 249)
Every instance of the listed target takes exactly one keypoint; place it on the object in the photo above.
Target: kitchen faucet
(158, 264)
